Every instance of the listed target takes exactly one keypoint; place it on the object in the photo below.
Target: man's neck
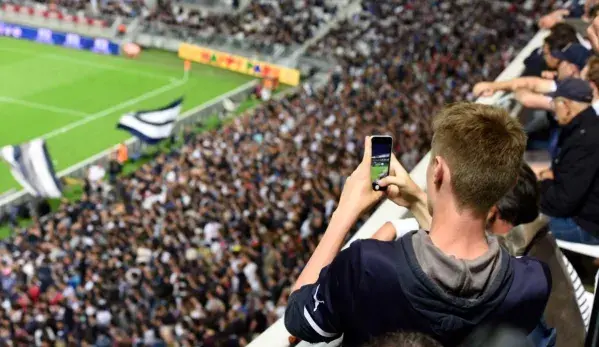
(458, 233)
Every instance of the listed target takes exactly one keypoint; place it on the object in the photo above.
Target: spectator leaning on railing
(541, 60)
(444, 282)
(532, 91)
(570, 189)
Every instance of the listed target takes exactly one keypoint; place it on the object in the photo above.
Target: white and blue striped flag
(32, 167)
(152, 126)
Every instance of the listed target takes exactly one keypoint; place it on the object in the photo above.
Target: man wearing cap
(572, 58)
(532, 92)
(570, 189)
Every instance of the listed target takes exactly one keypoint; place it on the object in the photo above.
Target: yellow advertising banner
(238, 63)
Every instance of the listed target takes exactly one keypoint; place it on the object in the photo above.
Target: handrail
(276, 335)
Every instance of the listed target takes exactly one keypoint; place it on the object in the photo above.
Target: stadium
(200, 173)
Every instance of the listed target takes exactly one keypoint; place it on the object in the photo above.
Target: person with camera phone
(443, 282)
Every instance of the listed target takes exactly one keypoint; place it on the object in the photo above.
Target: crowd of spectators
(132, 8)
(560, 92)
(269, 22)
(201, 245)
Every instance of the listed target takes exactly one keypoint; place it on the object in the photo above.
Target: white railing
(277, 335)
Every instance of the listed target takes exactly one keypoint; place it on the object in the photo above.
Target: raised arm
(533, 100)
(357, 197)
(533, 84)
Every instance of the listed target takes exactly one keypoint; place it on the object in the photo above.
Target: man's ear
(439, 168)
(493, 214)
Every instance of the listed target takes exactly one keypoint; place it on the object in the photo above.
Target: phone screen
(381, 158)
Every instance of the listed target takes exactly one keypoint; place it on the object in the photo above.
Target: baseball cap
(574, 53)
(573, 89)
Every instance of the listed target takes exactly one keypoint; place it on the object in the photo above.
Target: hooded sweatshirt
(375, 287)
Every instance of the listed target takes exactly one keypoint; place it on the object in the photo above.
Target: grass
(75, 98)
(73, 191)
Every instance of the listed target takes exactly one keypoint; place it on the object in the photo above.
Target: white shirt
(103, 317)
(96, 173)
(305, 229)
(404, 226)
(595, 106)
(250, 273)
(211, 231)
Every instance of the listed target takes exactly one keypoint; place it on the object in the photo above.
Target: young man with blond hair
(443, 282)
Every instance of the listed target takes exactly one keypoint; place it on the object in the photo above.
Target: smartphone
(381, 159)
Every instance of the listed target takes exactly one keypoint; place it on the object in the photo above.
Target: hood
(448, 312)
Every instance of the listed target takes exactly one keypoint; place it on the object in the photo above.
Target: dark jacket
(562, 311)
(535, 64)
(375, 287)
(574, 191)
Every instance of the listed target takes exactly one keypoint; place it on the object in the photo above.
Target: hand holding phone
(381, 159)
(358, 194)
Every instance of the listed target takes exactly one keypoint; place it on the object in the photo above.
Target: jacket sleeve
(562, 196)
(315, 310)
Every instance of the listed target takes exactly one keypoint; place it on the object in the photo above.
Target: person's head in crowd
(404, 339)
(562, 34)
(519, 206)
(572, 60)
(473, 180)
(572, 96)
(592, 75)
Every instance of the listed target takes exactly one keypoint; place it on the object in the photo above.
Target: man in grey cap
(570, 188)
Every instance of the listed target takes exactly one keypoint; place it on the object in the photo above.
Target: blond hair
(483, 147)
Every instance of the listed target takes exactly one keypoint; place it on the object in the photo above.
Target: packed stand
(422, 61)
(106, 11)
(133, 8)
(263, 24)
(64, 5)
(201, 245)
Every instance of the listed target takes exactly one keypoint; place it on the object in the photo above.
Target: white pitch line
(105, 66)
(9, 100)
(86, 63)
(112, 109)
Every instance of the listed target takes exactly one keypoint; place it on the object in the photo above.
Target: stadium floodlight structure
(276, 335)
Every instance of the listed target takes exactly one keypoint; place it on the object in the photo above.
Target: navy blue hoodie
(375, 287)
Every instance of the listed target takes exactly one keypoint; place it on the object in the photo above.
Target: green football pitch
(74, 99)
